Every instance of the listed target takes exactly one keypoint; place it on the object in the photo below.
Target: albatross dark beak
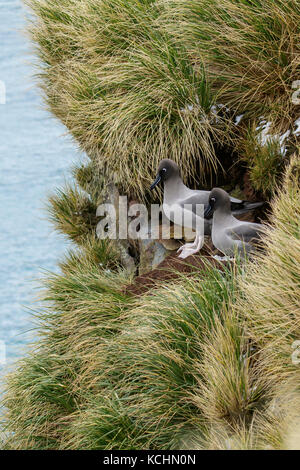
(208, 213)
(155, 183)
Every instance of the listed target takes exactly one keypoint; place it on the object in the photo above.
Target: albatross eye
(163, 173)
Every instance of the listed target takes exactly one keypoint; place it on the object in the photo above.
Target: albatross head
(167, 169)
(218, 199)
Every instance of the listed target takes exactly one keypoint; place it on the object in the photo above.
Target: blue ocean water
(35, 158)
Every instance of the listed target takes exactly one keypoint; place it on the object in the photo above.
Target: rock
(152, 253)
(126, 259)
(170, 245)
(189, 235)
(122, 245)
(145, 254)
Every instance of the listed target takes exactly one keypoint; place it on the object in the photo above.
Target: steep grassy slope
(205, 360)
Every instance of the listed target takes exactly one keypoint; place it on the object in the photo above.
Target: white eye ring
(213, 199)
(164, 169)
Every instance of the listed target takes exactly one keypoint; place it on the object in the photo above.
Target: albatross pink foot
(191, 248)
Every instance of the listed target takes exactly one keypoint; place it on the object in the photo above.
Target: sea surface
(35, 157)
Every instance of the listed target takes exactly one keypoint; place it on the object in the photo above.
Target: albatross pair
(228, 233)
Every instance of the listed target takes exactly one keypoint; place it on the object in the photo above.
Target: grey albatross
(181, 203)
(230, 235)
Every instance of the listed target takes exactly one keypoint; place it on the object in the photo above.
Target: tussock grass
(138, 81)
(149, 389)
(111, 372)
(205, 361)
(271, 288)
(72, 213)
(60, 373)
(39, 401)
(229, 389)
(252, 49)
(250, 386)
(265, 162)
(94, 254)
(123, 86)
(91, 180)
(201, 363)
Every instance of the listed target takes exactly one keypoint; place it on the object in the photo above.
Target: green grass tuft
(73, 213)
